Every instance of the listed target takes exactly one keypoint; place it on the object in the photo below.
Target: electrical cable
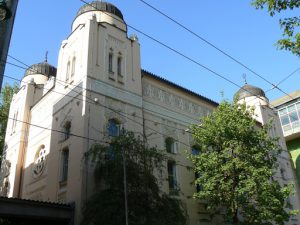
(212, 45)
(284, 79)
(118, 112)
(178, 53)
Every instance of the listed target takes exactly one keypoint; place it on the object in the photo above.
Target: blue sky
(234, 26)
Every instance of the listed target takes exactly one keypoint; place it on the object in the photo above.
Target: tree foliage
(290, 25)
(146, 204)
(6, 97)
(236, 161)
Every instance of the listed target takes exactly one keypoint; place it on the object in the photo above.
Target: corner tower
(99, 51)
(263, 113)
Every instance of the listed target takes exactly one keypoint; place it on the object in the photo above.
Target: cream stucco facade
(56, 117)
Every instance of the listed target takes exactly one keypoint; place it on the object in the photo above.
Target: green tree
(290, 25)
(236, 163)
(5, 100)
(146, 204)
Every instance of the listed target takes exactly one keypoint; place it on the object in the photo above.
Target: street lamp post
(7, 16)
(125, 186)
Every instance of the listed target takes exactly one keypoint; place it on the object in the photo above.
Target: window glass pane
(284, 120)
(172, 176)
(119, 66)
(296, 124)
(282, 111)
(110, 62)
(291, 108)
(293, 116)
(298, 105)
(169, 144)
(65, 162)
(113, 128)
(287, 128)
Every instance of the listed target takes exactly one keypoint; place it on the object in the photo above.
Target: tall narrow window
(113, 128)
(120, 65)
(68, 73)
(67, 130)
(172, 177)
(73, 68)
(110, 62)
(171, 145)
(64, 164)
(14, 122)
(196, 151)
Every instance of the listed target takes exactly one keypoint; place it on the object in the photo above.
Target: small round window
(39, 162)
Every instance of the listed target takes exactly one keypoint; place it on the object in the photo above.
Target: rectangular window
(291, 108)
(198, 186)
(14, 122)
(68, 73)
(172, 177)
(171, 145)
(67, 130)
(73, 68)
(120, 66)
(113, 128)
(110, 62)
(64, 165)
(284, 120)
(293, 116)
(282, 111)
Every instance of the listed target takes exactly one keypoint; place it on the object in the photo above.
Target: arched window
(113, 128)
(171, 145)
(73, 68)
(64, 164)
(68, 72)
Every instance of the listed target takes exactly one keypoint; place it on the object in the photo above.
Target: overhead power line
(212, 45)
(179, 53)
(123, 114)
(284, 79)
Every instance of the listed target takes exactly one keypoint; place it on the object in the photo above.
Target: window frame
(111, 61)
(64, 165)
(113, 131)
(171, 145)
(172, 177)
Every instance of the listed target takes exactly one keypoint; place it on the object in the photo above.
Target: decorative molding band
(168, 114)
(174, 101)
(116, 93)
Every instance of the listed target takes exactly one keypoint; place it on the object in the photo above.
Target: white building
(98, 86)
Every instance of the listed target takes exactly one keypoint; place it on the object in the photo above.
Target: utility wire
(92, 101)
(213, 45)
(141, 124)
(178, 53)
(284, 79)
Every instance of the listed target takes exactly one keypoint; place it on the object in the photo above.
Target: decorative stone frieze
(176, 101)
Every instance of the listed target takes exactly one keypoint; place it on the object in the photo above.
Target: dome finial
(245, 78)
(46, 56)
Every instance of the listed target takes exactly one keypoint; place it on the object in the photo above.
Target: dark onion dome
(249, 91)
(100, 6)
(41, 68)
